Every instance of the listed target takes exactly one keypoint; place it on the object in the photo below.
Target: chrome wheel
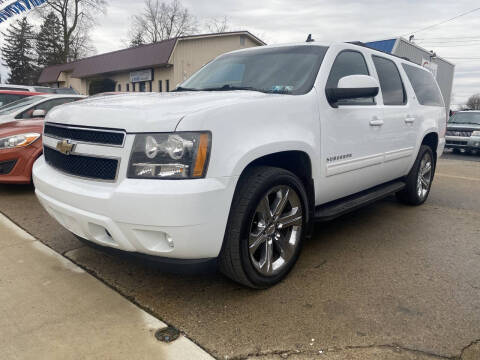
(424, 179)
(275, 230)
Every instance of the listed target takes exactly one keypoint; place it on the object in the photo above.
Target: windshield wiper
(229, 87)
(178, 89)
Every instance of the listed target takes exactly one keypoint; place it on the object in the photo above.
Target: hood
(451, 126)
(21, 127)
(6, 118)
(146, 112)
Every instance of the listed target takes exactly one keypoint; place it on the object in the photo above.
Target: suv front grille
(461, 133)
(93, 136)
(456, 142)
(81, 165)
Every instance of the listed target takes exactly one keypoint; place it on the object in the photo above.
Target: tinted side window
(390, 81)
(348, 63)
(424, 86)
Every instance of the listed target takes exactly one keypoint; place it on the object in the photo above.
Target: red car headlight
(18, 141)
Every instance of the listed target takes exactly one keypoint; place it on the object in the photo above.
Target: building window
(150, 86)
(133, 87)
(142, 87)
(167, 85)
(128, 87)
(242, 40)
(160, 86)
(119, 87)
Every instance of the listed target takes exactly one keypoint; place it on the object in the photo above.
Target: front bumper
(460, 142)
(179, 219)
(21, 172)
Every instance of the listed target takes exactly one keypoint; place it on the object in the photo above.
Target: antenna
(309, 38)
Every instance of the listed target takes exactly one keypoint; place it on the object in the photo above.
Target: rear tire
(265, 229)
(419, 180)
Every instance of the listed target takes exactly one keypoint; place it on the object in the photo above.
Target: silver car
(463, 131)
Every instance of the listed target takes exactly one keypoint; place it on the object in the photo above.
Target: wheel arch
(431, 139)
(296, 161)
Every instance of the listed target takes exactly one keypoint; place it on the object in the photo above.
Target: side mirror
(353, 87)
(39, 113)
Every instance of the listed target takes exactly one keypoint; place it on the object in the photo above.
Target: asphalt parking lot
(386, 282)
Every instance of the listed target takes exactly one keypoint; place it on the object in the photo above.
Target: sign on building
(141, 75)
(431, 66)
(10, 8)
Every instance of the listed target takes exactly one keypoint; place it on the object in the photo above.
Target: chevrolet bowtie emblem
(65, 147)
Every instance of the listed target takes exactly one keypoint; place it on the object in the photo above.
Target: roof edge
(228, 33)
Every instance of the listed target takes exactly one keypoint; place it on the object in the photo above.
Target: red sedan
(20, 146)
(8, 96)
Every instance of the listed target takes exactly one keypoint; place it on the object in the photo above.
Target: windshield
(9, 98)
(19, 104)
(472, 118)
(44, 89)
(285, 70)
(65, 91)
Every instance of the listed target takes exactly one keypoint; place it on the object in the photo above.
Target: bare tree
(81, 44)
(163, 20)
(76, 19)
(473, 102)
(215, 25)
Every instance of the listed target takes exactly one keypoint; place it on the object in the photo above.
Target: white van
(235, 165)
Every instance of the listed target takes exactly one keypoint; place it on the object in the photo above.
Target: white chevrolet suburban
(235, 165)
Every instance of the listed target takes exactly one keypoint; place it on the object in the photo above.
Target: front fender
(244, 132)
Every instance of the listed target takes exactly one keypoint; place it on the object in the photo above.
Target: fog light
(170, 242)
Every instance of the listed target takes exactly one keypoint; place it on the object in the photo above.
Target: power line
(449, 46)
(464, 58)
(448, 42)
(446, 38)
(442, 22)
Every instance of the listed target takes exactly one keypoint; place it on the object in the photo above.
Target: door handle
(410, 119)
(376, 122)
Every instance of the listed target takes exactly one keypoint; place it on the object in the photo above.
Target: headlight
(182, 155)
(476, 133)
(17, 141)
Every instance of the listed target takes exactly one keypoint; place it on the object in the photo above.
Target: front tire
(266, 227)
(419, 180)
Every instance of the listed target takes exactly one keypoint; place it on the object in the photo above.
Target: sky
(283, 21)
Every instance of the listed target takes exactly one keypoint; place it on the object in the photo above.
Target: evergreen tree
(50, 42)
(19, 54)
(137, 39)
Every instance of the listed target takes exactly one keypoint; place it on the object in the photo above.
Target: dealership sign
(10, 8)
(141, 75)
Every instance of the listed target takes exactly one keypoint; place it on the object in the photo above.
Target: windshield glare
(465, 118)
(19, 104)
(285, 70)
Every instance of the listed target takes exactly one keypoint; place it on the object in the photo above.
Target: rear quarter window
(424, 85)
